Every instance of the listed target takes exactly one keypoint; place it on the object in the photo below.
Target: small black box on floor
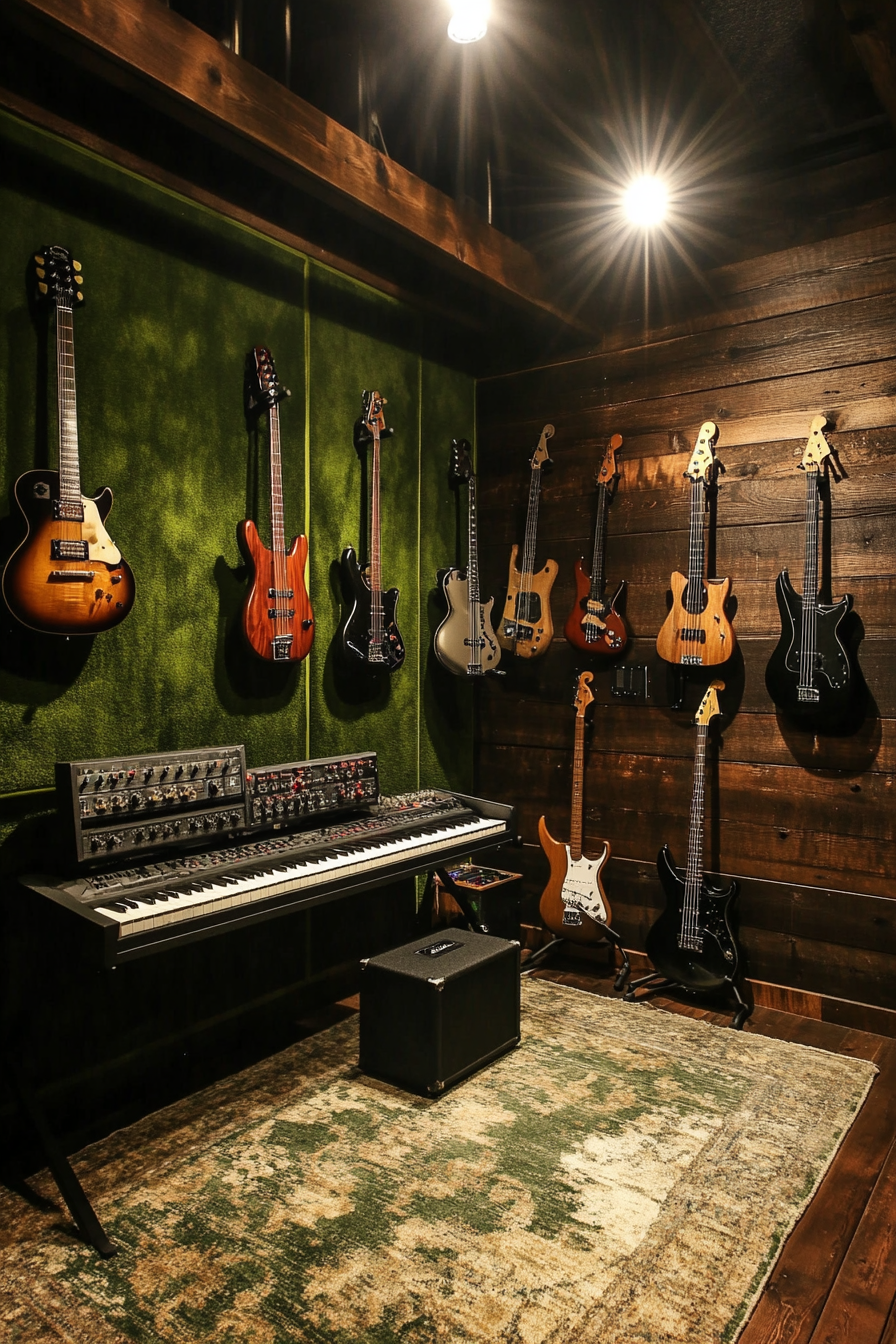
(439, 1008)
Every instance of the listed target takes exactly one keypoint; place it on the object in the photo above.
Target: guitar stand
(656, 984)
(474, 924)
(541, 956)
(79, 1206)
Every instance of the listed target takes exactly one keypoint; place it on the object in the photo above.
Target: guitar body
(835, 678)
(355, 632)
(717, 962)
(66, 578)
(573, 904)
(287, 638)
(701, 639)
(527, 628)
(595, 627)
(452, 639)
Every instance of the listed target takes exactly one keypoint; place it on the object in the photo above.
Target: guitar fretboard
(67, 406)
(807, 691)
(690, 932)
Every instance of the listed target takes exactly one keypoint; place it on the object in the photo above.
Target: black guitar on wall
(811, 676)
(369, 635)
(692, 944)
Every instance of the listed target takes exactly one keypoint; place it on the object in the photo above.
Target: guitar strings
(810, 588)
(525, 590)
(474, 664)
(375, 652)
(694, 872)
(278, 537)
(597, 565)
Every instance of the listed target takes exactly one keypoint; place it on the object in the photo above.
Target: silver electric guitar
(465, 641)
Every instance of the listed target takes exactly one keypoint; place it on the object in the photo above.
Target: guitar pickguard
(581, 889)
(100, 545)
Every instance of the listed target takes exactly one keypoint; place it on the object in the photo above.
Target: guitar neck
(69, 468)
(472, 547)
(375, 577)
(578, 777)
(809, 620)
(278, 534)
(696, 548)
(597, 561)
(528, 565)
(694, 870)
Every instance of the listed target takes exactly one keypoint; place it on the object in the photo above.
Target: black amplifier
(282, 795)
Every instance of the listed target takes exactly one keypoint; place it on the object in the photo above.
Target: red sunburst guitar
(67, 577)
(574, 904)
(277, 618)
(594, 625)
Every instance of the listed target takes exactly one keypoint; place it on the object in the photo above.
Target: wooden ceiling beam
(160, 57)
(872, 27)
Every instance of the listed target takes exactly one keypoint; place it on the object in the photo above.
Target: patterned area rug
(625, 1175)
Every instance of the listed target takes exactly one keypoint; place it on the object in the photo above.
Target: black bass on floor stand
(693, 945)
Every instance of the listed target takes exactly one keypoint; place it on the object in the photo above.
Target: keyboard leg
(69, 1186)
(474, 924)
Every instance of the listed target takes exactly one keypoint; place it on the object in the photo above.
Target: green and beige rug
(625, 1175)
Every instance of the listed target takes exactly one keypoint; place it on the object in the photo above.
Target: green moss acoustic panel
(175, 297)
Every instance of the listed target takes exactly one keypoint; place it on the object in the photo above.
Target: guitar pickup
(281, 592)
(692, 635)
(287, 613)
(61, 549)
(68, 510)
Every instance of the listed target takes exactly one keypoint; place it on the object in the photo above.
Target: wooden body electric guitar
(527, 628)
(277, 619)
(594, 625)
(693, 942)
(369, 633)
(465, 641)
(810, 675)
(67, 577)
(697, 631)
(573, 904)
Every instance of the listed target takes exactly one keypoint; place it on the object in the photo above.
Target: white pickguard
(100, 545)
(580, 889)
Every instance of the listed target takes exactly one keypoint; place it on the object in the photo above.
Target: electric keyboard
(181, 897)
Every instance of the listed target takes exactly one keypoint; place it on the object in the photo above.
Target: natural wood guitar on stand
(697, 631)
(277, 618)
(693, 945)
(67, 577)
(811, 675)
(369, 634)
(465, 642)
(594, 625)
(574, 904)
(527, 628)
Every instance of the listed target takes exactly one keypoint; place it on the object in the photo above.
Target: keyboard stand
(70, 1187)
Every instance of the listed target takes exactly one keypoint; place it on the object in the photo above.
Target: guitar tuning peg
(38, 259)
(76, 266)
(79, 296)
(79, 279)
(42, 287)
(40, 273)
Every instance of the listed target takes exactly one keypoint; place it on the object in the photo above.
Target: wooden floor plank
(861, 1298)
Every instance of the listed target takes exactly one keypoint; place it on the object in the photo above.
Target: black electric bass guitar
(277, 618)
(693, 942)
(810, 675)
(465, 641)
(67, 577)
(369, 634)
(527, 627)
(594, 625)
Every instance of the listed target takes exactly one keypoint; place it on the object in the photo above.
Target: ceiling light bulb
(469, 21)
(645, 201)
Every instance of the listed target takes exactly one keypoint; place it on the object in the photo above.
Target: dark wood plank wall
(806, 821)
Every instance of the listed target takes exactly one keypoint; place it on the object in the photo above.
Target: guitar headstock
(709, 705)
(584, 695)
(58, 276)
(817, 447)
(609, 471)
(461, 460)
(540, 457)
(262, 385)
(702, 464)
(371, 423)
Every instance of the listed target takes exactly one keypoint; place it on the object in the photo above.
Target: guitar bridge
(692, 659)
(808, 695)
(572, 918)
(72, 575)
(61, 549)
(280, 646)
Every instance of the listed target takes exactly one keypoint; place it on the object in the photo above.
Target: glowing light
(469, 21)
(645, 201)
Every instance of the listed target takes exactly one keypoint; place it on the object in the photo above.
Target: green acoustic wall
(175, 295)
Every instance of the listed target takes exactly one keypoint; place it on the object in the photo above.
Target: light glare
(469, 21)
(645, 201)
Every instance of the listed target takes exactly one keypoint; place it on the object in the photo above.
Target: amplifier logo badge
(437, 949)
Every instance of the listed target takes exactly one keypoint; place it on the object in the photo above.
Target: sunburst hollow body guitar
(573, 904)
(67, 577)
(277, 618)
(527, 628)
(697, 631)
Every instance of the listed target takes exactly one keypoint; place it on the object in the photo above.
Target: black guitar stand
(70, 1187)
(544, 953)
(474, 923)
(657, 984)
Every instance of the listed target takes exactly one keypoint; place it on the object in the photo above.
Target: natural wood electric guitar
(693, 942)
(811, 676)
(465, 641)
(697, 632)
(574, 904)
(527, 628)
(277, 618)
(594, 624)
(67, 577)
(369, 634)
